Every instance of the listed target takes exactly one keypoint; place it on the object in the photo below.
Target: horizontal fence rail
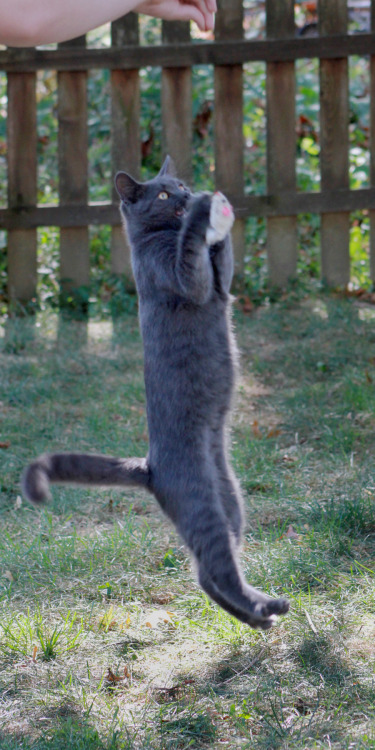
(188, 54)
(176, 55)
(285, 204)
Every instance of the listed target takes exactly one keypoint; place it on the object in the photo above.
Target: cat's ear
(168, 168)
(128, 189)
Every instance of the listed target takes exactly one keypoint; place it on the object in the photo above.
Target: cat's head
(159, 203)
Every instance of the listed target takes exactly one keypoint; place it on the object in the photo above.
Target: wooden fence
(176, 55)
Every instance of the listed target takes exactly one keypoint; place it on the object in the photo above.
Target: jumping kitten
(183, 266)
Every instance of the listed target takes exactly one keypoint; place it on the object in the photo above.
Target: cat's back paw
(221, 219)
(264, 616)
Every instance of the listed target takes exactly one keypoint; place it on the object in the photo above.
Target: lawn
(106, 642)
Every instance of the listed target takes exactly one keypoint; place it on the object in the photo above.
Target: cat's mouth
(180, 211)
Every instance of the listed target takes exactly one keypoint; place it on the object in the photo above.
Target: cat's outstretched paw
(221, 219)
(264, 616)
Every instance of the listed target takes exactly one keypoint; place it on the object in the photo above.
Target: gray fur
(190, 362)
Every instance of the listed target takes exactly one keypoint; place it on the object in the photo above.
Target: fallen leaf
(273, 432)
(35, 650)
(158, 617)
(114, 678)
(5, 445)
(244, 303)
(164, 694)
(255, 428)
(287, 459)
(162, 598)
(247, 305)
(291, 534)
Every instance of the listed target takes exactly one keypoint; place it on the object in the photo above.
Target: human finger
(207, 9)
(211, 6)
(172, 10)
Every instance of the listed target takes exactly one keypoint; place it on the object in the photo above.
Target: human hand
(200, 11)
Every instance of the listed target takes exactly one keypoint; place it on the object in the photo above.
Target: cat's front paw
(221, 219)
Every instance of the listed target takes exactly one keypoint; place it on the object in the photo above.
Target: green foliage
(359, 252)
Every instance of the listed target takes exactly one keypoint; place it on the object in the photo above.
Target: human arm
(27, 23)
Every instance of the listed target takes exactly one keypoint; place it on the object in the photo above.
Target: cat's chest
(176, 329)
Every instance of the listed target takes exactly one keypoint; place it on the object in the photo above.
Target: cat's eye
(163, 195)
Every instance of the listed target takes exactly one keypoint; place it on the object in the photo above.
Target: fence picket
(229, 142)
(73, 169)
(176, 99)
(22, 184)
(334, 146)
(372, 148)
(126, 152)
(281, 146)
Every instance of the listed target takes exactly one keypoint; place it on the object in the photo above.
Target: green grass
(106, 643)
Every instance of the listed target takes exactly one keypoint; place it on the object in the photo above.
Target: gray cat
(183, 265)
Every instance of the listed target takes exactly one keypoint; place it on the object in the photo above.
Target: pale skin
(28, 23)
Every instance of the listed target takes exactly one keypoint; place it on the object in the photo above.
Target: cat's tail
(83, 469)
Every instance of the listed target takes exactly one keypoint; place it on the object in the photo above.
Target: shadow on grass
(195, 730)
(320, 658)
(277, 709)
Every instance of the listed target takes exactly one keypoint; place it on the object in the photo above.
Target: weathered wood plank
(73, 169)
(235, 52)
(22, 184)
(126, 153)
(288, 203)
(334, 146)
(228, 113)
(176, 102)
(281, 146)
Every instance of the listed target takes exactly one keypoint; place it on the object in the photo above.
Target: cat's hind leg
(204, 528)
(230, 496)
(210, 589)
(227, 483)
